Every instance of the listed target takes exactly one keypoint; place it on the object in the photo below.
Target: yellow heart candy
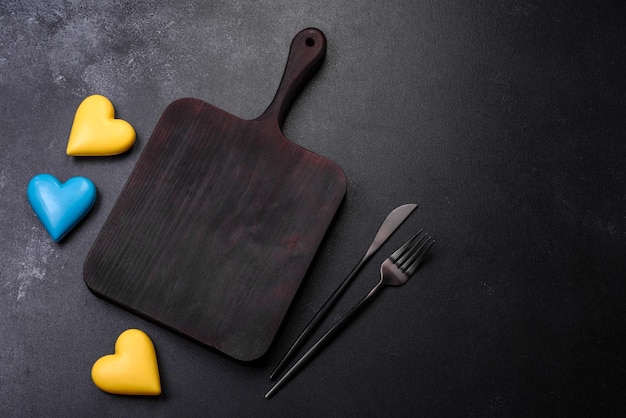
(95, 131)
(132, 370)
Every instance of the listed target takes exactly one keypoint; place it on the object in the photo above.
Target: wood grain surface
(220, 219)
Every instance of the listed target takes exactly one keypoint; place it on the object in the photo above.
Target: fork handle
(317, 319)
(324, 340)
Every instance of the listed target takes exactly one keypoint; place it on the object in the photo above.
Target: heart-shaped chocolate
(132, 370)
(96, 132)
(60, 206)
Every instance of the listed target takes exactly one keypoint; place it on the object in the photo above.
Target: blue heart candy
(60, 206)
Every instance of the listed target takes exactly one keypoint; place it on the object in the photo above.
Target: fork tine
(406, 247)
(408, 254)
(416, 258)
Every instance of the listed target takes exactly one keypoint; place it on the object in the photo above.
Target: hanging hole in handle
(310, 42)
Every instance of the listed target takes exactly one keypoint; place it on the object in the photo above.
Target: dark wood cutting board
(220, 219)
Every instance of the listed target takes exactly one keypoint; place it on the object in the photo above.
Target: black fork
(396, 270)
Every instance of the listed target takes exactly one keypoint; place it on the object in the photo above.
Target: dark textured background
(504, 120)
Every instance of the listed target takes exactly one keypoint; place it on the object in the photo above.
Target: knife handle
(306, 54)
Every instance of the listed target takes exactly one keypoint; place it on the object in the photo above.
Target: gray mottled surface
(503, 120)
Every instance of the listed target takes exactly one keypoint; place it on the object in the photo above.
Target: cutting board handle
(306, 55)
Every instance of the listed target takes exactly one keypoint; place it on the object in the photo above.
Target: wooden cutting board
(220, 219)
